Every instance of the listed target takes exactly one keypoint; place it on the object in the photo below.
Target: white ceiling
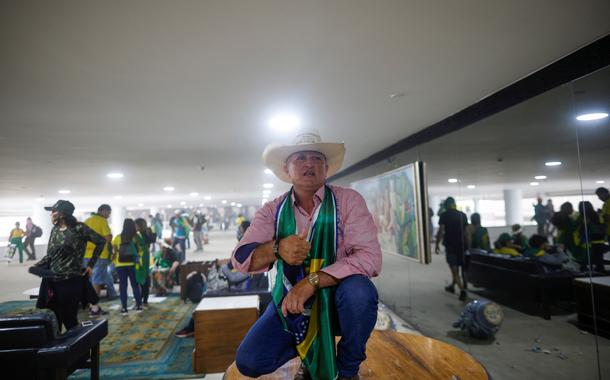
(156, 89)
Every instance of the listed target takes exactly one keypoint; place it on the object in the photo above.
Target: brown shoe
(302, 373)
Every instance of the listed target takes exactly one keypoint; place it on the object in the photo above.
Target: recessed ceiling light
(540, 177)
(140, 204)
(64, 191)
(266, 191)
(268, 185)
(200, 204)
(118, 197)
(592, 116)
(169, 206)
(169, 188)
(284, 122)
(224, 201)
(268, 171)
(194, 194)
(232, 203)
(397, 95)
(114, 175)
(207, 198)
(600, 182)
(182, 203)
(239, 205)
(471, 186)
(553, 163)
(534, 183)
(452, 180)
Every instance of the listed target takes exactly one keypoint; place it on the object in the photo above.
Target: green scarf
(312, 331)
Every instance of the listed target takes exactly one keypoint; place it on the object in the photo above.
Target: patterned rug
(138, 346)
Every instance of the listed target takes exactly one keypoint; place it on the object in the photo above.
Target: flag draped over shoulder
(312, 330)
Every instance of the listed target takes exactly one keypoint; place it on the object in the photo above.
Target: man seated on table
(321, 272)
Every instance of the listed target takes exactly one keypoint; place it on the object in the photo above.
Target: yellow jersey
(98, 224)
(116, 243)
(507, 251)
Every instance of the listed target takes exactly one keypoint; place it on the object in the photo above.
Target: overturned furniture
(30, 348)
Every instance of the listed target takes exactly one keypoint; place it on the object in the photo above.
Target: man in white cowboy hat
(323, 242)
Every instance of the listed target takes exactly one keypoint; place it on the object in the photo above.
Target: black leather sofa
(521, 276)
(31, 349)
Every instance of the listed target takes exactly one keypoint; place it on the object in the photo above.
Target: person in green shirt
(502, 246)
(604, 195)
(477, 235)
(16, 238)
(144, 238)
(125, 255)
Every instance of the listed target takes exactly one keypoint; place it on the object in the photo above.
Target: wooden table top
(401, 356)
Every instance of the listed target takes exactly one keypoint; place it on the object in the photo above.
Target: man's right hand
(294, 248)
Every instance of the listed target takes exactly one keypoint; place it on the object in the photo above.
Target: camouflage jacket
(66, 250)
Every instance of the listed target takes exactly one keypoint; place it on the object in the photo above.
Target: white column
(476, 205)
(512, 206)
(116, 218)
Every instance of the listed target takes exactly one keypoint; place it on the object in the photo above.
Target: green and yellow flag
(313, 330)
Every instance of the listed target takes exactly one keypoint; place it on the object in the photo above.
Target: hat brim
(49, 208)
(275, 156)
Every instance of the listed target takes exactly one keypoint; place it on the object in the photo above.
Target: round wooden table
(400, 356)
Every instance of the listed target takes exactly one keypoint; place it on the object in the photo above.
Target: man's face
(105, 213)
(307, 169)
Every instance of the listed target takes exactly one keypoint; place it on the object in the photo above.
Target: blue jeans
(267, 346)
(124, 273)
(102, 277)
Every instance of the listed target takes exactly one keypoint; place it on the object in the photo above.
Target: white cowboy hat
(275, 155)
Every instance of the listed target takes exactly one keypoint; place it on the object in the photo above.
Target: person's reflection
(590, 238)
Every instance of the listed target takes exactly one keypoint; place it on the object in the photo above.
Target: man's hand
(87, 271)
(295, 300)
(294, 248)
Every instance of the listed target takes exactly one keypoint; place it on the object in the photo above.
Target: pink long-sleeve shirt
(358, 252)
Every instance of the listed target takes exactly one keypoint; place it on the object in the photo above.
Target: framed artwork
(398, 202)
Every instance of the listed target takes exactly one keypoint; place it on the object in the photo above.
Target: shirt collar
(317, 199)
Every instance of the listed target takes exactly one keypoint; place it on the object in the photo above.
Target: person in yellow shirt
(98, 222)
(16, 237)
(125, 255)
(502, 246)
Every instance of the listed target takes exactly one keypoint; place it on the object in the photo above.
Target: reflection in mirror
(589, 119)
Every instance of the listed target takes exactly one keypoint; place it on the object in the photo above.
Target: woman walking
(125, 256)
(68, 282)
(144, 238)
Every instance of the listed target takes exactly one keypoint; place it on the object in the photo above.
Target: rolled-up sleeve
(360, 240)
(261, 230)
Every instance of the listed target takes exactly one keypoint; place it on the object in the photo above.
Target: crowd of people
(84, 258)
(579, 238)
(24, 241)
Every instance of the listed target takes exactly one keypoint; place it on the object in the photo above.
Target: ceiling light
(200, 204)
(64, 191)
(39, 199)
(591, 116)
(266, 191)
(268, 185)
(600, 182)
(207, 198)
(169, 188)
(194, 194)
(182, 203)
(232, 203)
(140, 204)
(169, 206)
(268, 171)
(397, 95)
(471, 186)
(540, 177)
(114, 175)
(452, 180)
(118, 197)
(534, 183)
(285, 122)
(239, 205)
(553, 163)
(224, 201)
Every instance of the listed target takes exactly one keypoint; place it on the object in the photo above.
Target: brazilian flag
(312, 330)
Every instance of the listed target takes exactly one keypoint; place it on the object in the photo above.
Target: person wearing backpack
(125, 255)
(32, 232)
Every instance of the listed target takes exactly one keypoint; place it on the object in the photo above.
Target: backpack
(36, 231)
(195, 286)
(127, 253)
